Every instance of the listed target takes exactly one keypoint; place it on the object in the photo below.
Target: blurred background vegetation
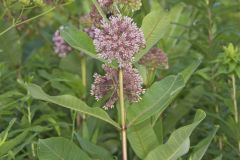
(201, 30)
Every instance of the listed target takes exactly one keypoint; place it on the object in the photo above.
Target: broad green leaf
(58, 148)
(70, 102)
(93, 150)
(201, 147)
(4, 134)
(142, 138)
(178, 144)
(155, 100)
(186, 74)
(10, 144)
(154, 26)
(79, 40)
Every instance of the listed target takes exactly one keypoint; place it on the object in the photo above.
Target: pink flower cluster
(61, 48)
(118, 39)
(155, 58)
(108, 84)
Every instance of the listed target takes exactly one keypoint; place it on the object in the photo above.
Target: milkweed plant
(119, 79)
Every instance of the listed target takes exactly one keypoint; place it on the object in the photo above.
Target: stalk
(123, 116)
(151, 75)
(84, 73)
(234, 98)
(84, 83)
(210, 41)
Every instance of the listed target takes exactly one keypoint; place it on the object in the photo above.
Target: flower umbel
(118, 39)
(107, 85)
(155, 58)
(61, 48)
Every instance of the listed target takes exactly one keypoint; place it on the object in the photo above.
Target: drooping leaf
(155, 100)
(201, 147)
(186, 74)
(142, 138)
(154, 26)
(93, 150)
(57, 148)
(178, 144)
(70, 102)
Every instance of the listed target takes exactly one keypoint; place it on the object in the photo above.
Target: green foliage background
(188, 112)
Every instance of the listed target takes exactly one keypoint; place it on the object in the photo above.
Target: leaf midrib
(155, 26)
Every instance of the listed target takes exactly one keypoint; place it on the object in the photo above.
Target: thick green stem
(84, 71)
(84, 83)
(74, 113)
(123, 116)
(151, 76)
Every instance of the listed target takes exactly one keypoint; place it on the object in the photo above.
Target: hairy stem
(123, 116)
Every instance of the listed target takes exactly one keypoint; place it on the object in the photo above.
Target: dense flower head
(155, 58)
(61, 48)
(105, 3)
(118, 39)
(107, 85)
